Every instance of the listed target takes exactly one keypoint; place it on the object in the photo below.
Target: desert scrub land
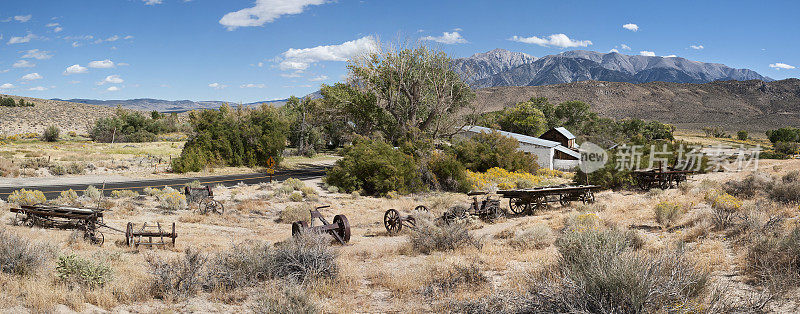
(723, 242)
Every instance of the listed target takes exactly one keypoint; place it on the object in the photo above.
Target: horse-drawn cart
(660, 178)
(45, 216)
(531, 200)
(204, 198)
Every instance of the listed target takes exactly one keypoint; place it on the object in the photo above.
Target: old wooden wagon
(46, 216)
(663, 178)
(531, 200)
(203, 197)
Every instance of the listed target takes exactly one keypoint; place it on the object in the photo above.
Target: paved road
(53, 191)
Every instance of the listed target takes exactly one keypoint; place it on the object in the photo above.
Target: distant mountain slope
(751, 105)
(148, 104)
(483, 65)
(68, 116)
(581, 65)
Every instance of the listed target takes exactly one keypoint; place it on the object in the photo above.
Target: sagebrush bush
(305, 257)
(75, 270)
(194, 184)
(26, 197)
(151, 191)
(726, 209)
(92, 193)
(51, 134)
(786, 192)
(287, 299)
(376, 168)
(750, 186)
(68, 197)
(296, 196)
(307, 190)
(20, 256)
(429, 237)
(537, 237)
(8, 168)
(124, 193)
(242, 265)
(294, 183)
(445, 280)
(773, 260)
(668, 213)
(172, 200)
(178, 278)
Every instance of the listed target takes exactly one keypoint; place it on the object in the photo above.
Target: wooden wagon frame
(46, 216)
(204, 198)
(660, 178)
(531, 200)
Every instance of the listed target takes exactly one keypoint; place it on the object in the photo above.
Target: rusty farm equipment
(662, 178)
(531, 200)
(87, 219)
(394, 222)
(487, 209)
(150, 235)
(204, 198)
(339, 229)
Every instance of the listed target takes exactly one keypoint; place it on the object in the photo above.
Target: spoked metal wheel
(299, 227)
(211, 206)
(391, 220)
(517, 206)
(343, 229)
(421, 208)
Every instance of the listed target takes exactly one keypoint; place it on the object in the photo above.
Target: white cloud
(52, 25)
(23, 64)
(319, 78)
(647, 53)
(75, 69)
(113, 79)
(7, 86)
(613, 50)
(301, 59)
(631, 27)
(251, 85)
(58, 29)
(447, 38)
(128, 37)
(37, 54)
(153, 2)
(671, 56)
(265, 11)
(31, 76)
(101, 64)
(75, 44)
(624, 47)
(20, 40)
(558, 40)
(112, 89)
(113, 38)
(23, 18)
(696, 47)
(217, 85)
(779, 66)
(38, 88)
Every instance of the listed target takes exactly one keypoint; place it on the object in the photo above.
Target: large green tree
(524, 118)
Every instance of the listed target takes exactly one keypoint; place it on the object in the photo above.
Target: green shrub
(51, 134)
(376, 168)
(75, 270)
(307, 190)
(20, 256)
(151, 191)
(26, 197)
(294, 183)
(296, 196)
(741, 135)
(449, 173)
(484, 151)
(57, 169)
(242, 137)
(124, 193)
(787, 148)
(292, 213)
(333, 189)
(68, 197)
(131, 126)
(172, 200)
(75, 168)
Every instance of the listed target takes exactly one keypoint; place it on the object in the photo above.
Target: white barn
(550, 154)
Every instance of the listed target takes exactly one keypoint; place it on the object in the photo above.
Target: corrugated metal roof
(568, 151)
(519, 137)
(565, 132)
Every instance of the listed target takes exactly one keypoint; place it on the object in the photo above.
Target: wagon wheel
(538, 203)
(344, 227)
(644, 183)
(421, 208)
(517, 205)
(20, 219)
(391, 220)
(212, 206)
(493, 212)
(412, 223)
(299, 227)
(588, 197)
(174, 235)
(664, 183)
(454, 214)
(564, 199)
(129, 234)
(98, 239)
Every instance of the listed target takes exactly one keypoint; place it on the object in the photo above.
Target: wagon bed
(660, 178)
(529, 200)
(47, 216)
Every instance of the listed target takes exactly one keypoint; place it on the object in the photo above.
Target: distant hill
(148, 104)
(751, 105)
(505, 68)
(68, 116)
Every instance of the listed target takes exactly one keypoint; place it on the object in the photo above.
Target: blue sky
(246, 50)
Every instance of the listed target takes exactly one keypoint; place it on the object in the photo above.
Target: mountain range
(505, 68)
(148, 104)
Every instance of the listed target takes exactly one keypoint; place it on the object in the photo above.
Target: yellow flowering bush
(27, 197)
(583, 222)
(124, 193)
(502, 179)
(725, 201)
(172, 199)
(68, 197)
(667, 213)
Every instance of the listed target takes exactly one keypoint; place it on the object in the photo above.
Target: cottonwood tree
(416, 88)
